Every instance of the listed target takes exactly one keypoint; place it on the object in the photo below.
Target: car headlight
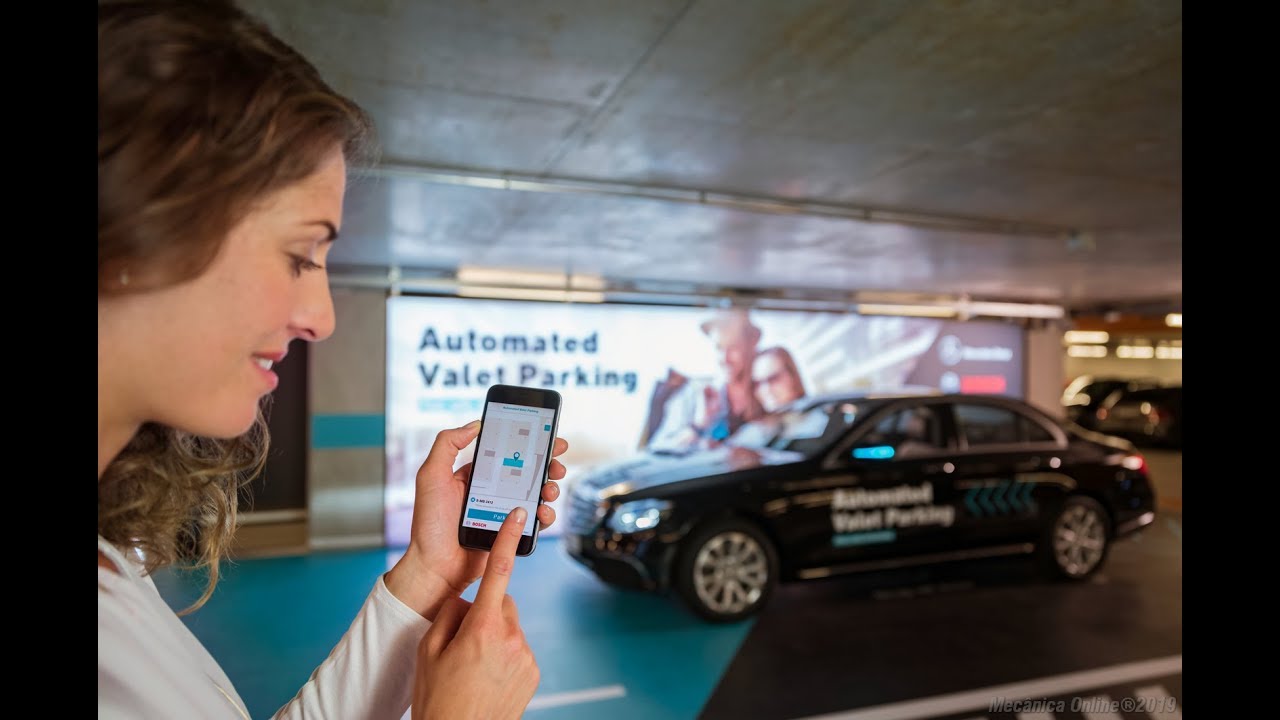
(638, 515)
(609, 491)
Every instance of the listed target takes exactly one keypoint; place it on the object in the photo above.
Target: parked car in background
(1145, 416)
(1087, 393)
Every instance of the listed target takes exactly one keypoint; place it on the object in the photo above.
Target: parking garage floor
(947, 641)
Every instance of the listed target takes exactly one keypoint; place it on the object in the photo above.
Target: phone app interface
(510, 457)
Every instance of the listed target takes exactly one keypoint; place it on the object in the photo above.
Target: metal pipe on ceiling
(444, 175)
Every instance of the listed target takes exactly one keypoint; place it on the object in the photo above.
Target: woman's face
(192, 356)
(776, 386)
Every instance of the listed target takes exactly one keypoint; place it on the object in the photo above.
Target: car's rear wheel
(727, 569)
(1078, 538)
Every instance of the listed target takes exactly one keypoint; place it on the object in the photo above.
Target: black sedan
(1147, 416)
(850, 483)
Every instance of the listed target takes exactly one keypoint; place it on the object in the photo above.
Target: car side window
(1034, 432)
(914, 431)
(987, 425)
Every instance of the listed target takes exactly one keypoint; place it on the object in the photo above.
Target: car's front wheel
(1078, 538)
(726, 570)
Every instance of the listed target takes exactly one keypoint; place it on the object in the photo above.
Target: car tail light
(1135, 462)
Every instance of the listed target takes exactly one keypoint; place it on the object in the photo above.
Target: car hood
(650, 470)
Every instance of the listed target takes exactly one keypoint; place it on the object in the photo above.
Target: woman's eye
(302, 264)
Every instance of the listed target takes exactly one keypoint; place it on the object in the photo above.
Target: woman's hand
(435, 566)
(474, 662)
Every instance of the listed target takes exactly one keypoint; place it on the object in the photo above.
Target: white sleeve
(369, 673)
(149, 664)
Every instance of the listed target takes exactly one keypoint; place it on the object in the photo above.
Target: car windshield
(808, 430)
(1093, 392)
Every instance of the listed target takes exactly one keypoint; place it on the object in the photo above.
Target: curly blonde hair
(202, 112)
(173, 496)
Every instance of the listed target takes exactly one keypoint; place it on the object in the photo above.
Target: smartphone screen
(512, 458)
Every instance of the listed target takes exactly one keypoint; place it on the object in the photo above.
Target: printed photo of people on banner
(644, 379)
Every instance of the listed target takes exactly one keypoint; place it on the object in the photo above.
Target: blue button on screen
(487, 515)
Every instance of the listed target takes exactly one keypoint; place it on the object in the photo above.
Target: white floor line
(1159, 704)
(608, 692)
(539, 702)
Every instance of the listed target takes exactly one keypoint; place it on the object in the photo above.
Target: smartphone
(513, 457)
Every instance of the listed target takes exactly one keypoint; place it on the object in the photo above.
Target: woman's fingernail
(519, 515)
(471, 425)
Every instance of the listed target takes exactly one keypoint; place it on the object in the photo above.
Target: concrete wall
(347, 413)
(1044, 369)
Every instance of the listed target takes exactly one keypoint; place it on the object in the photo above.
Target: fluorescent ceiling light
(1086, 337)
(547, 294)
(1136, 352)
(1018, 310)
(938, 311)
(475, 275)
(1087, 351)
(584, 281)
(965, 309)
(515, 277)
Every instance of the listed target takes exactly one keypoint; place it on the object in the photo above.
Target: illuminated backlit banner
(637, 378)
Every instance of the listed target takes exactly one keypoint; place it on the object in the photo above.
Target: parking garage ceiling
(1004, 149)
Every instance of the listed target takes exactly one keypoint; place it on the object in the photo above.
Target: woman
(222, 160)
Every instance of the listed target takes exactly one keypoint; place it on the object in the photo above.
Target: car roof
(868, 394)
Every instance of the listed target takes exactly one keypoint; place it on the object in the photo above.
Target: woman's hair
(202, 112)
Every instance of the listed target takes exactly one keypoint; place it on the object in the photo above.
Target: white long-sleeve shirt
(151, 666)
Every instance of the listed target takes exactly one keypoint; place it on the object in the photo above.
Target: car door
(1003, 452)
(876, 494)
(906, 484)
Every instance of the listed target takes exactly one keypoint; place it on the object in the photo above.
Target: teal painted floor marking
(272, 621)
